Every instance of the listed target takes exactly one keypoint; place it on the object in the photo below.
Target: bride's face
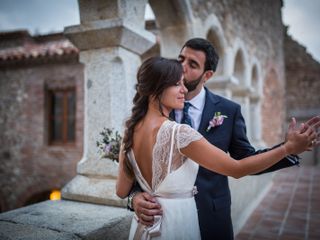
(173, 97)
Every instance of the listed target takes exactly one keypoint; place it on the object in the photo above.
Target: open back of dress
(173, 178)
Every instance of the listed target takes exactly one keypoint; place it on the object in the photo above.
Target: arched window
(239, 68)
(212, 36)
(254, 78)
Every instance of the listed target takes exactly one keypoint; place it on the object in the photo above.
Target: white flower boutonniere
(217, 120)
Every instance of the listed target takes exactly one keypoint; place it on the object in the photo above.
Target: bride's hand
(146, 207)
(300, 139)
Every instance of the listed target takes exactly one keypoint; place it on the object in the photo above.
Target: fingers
(314, 139)
(313, 121)
(148, 197)
(146, 217)
(146, 220)
(146, 207)
(292, 124)
(303, 128)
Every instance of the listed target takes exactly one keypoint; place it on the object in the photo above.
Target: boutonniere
(217, 120)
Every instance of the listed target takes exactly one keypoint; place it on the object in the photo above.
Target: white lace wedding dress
(173, 181)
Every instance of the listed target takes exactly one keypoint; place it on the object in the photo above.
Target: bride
(163, 156)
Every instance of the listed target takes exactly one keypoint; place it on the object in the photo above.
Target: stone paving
(290, 210)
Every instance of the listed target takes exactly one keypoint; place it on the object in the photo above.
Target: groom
(199, 60)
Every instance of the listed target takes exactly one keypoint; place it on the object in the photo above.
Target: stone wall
(303, 87)
(258, 25)
(29, 164)
(303, 79)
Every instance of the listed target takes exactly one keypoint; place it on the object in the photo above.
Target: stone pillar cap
(110, 33)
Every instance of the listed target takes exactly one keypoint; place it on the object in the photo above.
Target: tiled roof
(31, 49)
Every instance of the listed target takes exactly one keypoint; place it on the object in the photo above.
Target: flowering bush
(109, 146)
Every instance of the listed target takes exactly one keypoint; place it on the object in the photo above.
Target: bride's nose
(183, 89)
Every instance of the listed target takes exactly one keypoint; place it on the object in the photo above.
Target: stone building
(41, 114)
(302, 91)
(256, 69)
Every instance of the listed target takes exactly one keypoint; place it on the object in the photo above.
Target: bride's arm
(211, 157)
(124, 182)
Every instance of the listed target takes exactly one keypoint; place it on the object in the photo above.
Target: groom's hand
(312, 125)
(146, 207)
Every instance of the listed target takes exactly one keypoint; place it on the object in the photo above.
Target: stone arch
(172, 17)
(171, 13)
(255, 79)
(215, 34)
(272, 108)
(255, 103)
(240, 64)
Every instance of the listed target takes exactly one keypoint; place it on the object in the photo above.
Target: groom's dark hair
(205, 46)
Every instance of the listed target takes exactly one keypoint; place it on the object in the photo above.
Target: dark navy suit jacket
(213, 199)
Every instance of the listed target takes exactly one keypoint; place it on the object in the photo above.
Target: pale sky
(42, 17)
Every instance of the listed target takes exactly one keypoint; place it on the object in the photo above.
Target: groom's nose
(184, 67)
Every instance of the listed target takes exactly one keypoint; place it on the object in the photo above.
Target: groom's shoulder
(222, 100)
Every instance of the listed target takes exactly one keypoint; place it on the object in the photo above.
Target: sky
(42, 17)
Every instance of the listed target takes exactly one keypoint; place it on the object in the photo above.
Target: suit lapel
(208, 111)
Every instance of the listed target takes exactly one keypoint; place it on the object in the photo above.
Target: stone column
(111, 37)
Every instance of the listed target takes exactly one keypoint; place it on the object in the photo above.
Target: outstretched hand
(313, 124)
(304, 137)
(146, 207)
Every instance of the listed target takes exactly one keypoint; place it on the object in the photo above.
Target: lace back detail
(166, 152)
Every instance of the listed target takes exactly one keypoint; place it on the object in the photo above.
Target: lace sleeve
(185, 135)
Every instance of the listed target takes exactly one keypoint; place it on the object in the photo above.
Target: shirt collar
(199, 100)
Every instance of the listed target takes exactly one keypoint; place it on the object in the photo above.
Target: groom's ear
(208, 74)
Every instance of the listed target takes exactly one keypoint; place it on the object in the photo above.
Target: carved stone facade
(255, 58)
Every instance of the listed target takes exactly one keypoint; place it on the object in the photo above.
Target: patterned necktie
(186, 117)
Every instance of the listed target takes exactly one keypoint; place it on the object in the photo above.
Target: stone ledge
(13, 231)
(65, 220)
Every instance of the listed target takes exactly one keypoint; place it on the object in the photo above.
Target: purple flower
(109, 145)
(107, 148)
(217, 120)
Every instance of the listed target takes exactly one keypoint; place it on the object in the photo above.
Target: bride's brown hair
(153, 77)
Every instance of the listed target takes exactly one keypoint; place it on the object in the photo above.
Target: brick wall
(29, 166)
(303, 80)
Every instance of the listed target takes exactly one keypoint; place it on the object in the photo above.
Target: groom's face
(193, 62)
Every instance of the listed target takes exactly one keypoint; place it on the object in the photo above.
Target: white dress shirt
(195, 110)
